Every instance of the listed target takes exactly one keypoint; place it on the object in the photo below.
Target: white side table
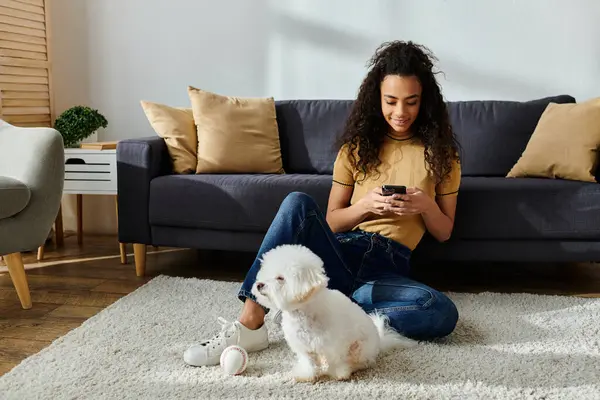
(88, 172)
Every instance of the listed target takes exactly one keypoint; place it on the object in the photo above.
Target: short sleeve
(451, 183)
(343, 172)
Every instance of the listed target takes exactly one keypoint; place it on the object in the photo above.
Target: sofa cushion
(308, 130)
(235, 134)
(489, 208)
(176, 126)
(14, 196)
(228, 202)
(564, 144)
(527, 208)
(494, 133)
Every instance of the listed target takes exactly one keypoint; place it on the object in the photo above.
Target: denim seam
(424, 305)
(398, 308)
(313, 214)
(249, 295)
(408, 286)
(362, 262)
(245, 293)
(349, 237)
(392, 251)
(371, 245)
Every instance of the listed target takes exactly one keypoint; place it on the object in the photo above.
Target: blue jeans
(368, 268)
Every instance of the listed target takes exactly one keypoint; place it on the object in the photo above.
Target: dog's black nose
(259, 286)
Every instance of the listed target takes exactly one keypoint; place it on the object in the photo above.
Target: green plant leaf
(78, 123)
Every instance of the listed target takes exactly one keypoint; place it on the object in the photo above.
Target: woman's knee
(446, 316)
(298, 200)
(441, 316)
(434, 318)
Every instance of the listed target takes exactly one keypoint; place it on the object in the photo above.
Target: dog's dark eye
(280, 278)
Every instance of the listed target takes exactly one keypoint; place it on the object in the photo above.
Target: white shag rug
(517, 346)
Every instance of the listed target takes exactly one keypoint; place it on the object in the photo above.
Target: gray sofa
(498, 218)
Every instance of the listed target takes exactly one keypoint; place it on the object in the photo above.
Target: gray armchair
(32, 169)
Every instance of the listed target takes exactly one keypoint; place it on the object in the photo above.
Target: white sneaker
(232, 333)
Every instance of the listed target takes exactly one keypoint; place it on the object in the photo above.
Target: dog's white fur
(329, 334)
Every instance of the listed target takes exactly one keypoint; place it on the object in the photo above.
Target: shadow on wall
(481, 83)
(308, 57)
(325, 36)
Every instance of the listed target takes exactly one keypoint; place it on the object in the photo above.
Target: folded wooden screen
(25, 70)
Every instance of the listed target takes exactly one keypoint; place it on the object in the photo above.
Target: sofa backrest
(492, 133)
(308, 130)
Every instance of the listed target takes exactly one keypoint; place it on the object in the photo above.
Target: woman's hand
(375, 202)
(415, 201)
(437, 215)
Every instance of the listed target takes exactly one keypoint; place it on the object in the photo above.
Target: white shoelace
(228, 329)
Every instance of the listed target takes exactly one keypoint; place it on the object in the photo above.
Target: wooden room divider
(25, 63)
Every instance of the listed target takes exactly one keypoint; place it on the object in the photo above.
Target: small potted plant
(78, 123)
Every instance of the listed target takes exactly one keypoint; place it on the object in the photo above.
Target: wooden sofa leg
(139, 255)
(40, 254)
(17, 274)
(123, 252)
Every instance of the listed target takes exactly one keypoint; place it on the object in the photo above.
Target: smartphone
(389, 190)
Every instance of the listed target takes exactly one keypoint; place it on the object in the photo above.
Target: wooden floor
(75, 282)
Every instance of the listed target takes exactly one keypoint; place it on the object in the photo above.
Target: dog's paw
(342, 378)
(306, 379)
(304, 373)
(345, 376)
(340, 372)
(303, 376)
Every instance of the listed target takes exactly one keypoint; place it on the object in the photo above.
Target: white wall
(110, 54)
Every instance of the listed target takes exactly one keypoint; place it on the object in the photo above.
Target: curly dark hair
(366, 126)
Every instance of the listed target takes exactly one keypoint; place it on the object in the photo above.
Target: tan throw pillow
(564, 144)
(235, 134)
(176, 126)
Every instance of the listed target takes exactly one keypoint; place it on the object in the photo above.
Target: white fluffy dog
(329, 334)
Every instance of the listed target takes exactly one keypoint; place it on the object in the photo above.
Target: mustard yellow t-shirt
(402, 163)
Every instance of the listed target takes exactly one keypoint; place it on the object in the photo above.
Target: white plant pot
(92, 138)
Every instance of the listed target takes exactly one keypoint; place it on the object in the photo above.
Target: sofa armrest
(138, 162)
(35, 157)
